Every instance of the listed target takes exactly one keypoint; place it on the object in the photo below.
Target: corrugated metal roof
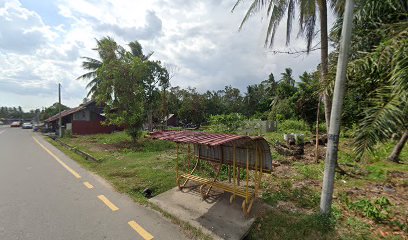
(69, 111)
(210, 139)
(65, 113)
(219, 147)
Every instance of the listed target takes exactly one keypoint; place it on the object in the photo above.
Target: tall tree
(309, 9)
(92, 65)
(287, 77)
(127, 83)
(379, 71)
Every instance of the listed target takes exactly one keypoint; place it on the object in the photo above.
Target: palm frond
(253, 8)
(88, 75)
(291, 15)
(307, 20)
(388, 106)
(275, 16)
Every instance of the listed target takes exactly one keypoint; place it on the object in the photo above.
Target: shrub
(289, 126)
(377, 210)
(226, 123)
(68, 133)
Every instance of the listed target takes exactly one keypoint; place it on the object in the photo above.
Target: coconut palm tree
(107, 48)
(387, 113)
(379, 47)
(287, 77)
(308, 11)
(92, 65)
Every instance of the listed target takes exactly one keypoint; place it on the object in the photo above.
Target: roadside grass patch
(149, 164)
(310, 171)
(302, 197)
(288, 225)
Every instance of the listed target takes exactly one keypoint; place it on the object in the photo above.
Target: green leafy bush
(226, 123)
(68, 133)
(377, 210)
(295, 126)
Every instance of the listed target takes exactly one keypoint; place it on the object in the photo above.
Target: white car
(27, 125)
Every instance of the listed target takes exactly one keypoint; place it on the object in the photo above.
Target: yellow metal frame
(244, 192)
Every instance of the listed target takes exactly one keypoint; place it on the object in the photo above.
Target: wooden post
(177, 175)
(229, 173)
(189, 157)
(247, 177)
(239, 176)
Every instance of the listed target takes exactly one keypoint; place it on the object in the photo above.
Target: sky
(42, 42)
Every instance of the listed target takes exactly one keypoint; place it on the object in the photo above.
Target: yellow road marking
(108, 203)
(143, 233)
(58, 160)
(88, 185)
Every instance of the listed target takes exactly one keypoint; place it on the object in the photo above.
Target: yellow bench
(237, 191)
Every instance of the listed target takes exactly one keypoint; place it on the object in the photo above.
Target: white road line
(2, 131)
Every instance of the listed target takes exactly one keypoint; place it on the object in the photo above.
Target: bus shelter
(238, 152)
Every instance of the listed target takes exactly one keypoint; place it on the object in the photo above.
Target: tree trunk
(324, 57)
(394, 157)
(317, 132)
(150, 120)
(338, 98)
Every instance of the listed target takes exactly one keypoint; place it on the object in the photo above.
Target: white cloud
(201, 38)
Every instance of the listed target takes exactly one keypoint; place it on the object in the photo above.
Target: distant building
(170, 120)
(85, 119)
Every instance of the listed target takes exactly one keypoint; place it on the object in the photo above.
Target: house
(170, 120)
(85, 119)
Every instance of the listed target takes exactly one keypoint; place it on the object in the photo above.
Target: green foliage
(227, 123)
(283, 109)
(303, 196)
(68, 133)
(376, 98)
(310, 171)
(126, 84)
(307, 97)
(377, 210)
(52, 110)
(293, 126)
(292, 225)
(192, 107)
(388, 107)
(18, 113)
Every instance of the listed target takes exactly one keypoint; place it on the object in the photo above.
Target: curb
(83, 154)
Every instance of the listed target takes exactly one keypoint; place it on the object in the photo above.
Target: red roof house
(85, 119)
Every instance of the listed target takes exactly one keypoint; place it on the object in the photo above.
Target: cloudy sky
(41, 44)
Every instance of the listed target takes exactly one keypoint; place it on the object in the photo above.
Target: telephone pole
(59, 109)
(337, 105)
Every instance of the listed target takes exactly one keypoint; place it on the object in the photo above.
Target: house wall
(82, 127)
(172, 121)
(83, 115)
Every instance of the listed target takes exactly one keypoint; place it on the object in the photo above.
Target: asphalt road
(46, 195)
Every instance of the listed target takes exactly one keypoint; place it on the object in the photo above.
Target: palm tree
(92, 65)
(380, 57)
(388, 110)
(309, 9)
(107, 48)
(287, 77)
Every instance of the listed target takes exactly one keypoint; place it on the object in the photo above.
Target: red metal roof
(65, 113)
(204, 138)
(69, 111)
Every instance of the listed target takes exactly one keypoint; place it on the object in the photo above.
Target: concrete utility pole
(59, 109)
(337, 105)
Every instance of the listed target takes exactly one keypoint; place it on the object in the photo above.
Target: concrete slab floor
(214, 216)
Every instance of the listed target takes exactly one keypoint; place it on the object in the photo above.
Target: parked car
(27, 125)
(15, 124)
